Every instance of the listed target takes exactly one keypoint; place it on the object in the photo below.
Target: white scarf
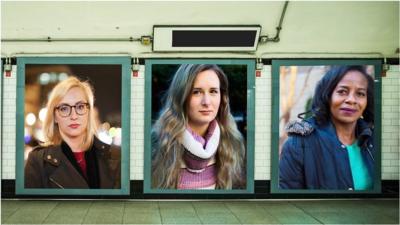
(196, 148)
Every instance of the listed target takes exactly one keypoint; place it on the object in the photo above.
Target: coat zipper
(56, 183)
(370, 154)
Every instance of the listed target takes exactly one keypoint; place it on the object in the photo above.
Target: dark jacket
(314, 158)
(55, 167)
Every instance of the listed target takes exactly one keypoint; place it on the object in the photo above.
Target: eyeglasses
(65, 110)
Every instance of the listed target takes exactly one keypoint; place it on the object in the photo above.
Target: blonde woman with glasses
(72, 156)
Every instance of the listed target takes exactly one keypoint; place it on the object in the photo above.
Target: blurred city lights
(110, 136)
(27, 135)
(39, 135)
(62, 76)
(44, 78)
(30, 119)
(112, 132)
(42, 114)
(53, 77)
(104, 137)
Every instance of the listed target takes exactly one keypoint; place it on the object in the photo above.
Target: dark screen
(217, 38)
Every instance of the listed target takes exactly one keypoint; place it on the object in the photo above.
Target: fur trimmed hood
(302, 128)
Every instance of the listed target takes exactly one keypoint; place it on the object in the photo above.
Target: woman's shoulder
(44, 148)
(300, 128)
(114, 151)
(300, 134)
(49, 153)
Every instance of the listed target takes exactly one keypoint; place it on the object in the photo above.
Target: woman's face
(349, 98)
(204, 100)
(74, 124)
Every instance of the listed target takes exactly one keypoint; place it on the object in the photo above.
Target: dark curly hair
(322, 96)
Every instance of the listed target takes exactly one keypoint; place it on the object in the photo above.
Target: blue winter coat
(314, 158)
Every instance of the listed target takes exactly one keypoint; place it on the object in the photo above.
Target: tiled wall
(8, 123)
(137, 125)
(262, 149)
(390, 125)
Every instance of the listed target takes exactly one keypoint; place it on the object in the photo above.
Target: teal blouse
(361, 178)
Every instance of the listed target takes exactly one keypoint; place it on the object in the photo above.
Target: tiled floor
(377, 211)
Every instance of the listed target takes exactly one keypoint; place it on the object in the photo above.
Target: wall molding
(390, 189)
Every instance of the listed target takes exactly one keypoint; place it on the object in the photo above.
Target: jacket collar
(364, 132)
(363, 129)
(104, 155)
(65, 175)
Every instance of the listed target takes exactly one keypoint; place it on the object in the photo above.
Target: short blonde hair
(51, 131)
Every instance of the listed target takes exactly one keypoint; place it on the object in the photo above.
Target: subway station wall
(309, 30)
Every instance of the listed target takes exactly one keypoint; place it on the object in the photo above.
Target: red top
(80, 159)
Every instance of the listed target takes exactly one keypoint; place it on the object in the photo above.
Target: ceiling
(310, 29)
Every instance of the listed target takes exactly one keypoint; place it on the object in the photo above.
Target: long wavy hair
(167, 132)
(323, 93)
(51, 130)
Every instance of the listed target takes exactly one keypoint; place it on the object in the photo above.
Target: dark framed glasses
(65, 110)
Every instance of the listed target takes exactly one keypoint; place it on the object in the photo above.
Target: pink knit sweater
(206, 175)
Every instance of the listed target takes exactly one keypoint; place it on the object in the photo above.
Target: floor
(355, 211)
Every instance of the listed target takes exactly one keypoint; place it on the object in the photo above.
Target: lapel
(102, 155)
(62, 173)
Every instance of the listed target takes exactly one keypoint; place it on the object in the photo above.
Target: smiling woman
(333, 148)
(348, 102)
(72, 156)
